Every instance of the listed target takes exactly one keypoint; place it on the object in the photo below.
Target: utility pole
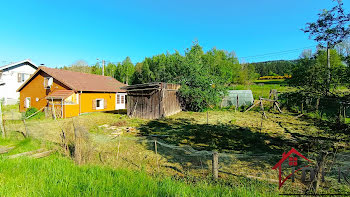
(103, 68)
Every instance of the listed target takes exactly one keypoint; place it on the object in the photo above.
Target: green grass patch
(271, 81)
(58, 176)
(263, 89)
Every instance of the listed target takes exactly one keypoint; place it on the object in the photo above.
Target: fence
(332, 107)
(119, 146)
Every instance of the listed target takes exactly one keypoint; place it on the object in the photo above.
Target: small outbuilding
(152, 100)
(238, 97)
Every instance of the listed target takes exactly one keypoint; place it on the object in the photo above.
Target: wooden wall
(153, 104)
(87, 99)
(37, 93)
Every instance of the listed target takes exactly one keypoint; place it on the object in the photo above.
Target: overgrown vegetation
(33, 113)
(58, 176)
(110, 158)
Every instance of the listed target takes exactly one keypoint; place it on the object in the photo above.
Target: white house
(12, 76)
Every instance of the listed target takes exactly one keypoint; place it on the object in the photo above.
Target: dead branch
(42, 154)
(25, 153)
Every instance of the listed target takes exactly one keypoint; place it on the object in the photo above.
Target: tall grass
(58, 176)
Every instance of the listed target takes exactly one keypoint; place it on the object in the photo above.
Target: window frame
(46, 83)
(26, 103)
(122, 99)
(101, 100)
(118, 99)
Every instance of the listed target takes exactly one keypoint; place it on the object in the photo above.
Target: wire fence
(122, 146)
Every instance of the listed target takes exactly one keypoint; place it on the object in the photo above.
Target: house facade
(66, 93)
(13, 76)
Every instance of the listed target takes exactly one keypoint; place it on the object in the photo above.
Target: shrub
(30, 111)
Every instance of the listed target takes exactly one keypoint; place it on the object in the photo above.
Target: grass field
(251, 150)
(262, 87)
(249, 146)
(58, 176)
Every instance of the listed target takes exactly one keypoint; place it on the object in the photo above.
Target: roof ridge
(63, 70)
(18, 62)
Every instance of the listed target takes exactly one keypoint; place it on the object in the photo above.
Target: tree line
(274, 68)
(203, 76)
(310, 73)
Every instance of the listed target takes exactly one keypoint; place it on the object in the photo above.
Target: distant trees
(79, 66)
(203, 76)
(311, 74)
(331, 28)
(343, 49)
(124, 71)
(273, 68)
(96, 69)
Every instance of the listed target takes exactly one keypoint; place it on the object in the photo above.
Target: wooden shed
(152, 100)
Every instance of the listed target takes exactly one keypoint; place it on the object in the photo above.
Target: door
(120, 100)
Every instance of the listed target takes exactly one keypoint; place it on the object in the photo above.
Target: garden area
(179, 148)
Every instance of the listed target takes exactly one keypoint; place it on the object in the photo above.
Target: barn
(152, 100)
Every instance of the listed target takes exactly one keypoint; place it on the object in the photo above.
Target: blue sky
(58, 33)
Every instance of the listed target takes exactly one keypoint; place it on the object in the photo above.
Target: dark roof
(26, 61)
(151, 86)
(81, 81)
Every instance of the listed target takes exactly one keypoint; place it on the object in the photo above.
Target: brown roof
(82, 81)
(60, 94)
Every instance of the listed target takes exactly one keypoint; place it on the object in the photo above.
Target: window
(47, 82)
(100, 104)
(118, 99)
(27, 102)
(22, 77)
(122, 99)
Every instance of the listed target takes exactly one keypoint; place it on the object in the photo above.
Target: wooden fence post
(215, 165)
(25, 128)
(118, 147)
(340, 113)
(77, 144)
(302, 107)
(53, 109)
(155, 148)
(2, 125)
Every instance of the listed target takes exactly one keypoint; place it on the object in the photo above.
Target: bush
(30, 111)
